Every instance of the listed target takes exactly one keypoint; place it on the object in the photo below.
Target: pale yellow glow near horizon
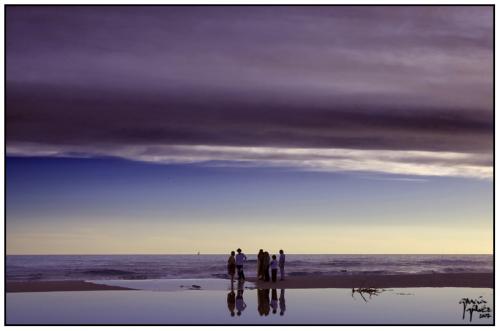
(219, 239)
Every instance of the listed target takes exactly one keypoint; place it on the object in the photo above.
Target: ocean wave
(451, 262)
(342, 263)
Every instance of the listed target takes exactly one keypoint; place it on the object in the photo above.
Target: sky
(178, 129)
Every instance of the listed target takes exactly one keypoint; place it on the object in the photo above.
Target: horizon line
(94, 254)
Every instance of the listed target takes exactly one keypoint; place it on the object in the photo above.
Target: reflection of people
(263, 301)
(259, 302)
(240, 259)
(231, 267)
(274, 300)
(240, 303)
(265, 265)
(282, 265)
(231, 301)
(266, 304)
(282, 302)
(274, 268)
(260, 256)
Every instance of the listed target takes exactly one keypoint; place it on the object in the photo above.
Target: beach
(186, 289)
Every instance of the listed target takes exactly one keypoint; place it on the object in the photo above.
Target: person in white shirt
(282, 265)
(240, 260)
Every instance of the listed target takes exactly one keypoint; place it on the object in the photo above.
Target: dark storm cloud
(395, 78)
(92, 116)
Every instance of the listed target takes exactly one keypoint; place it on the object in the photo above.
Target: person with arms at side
(260, 256)
(282, 265)
(274, 269)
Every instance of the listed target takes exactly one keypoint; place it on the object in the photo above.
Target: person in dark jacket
(260, 257)
(282, 265)
(265, 265)
(231, 266)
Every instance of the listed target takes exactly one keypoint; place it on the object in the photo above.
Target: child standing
(274, 268)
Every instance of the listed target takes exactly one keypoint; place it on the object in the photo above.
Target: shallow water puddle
(252, 306)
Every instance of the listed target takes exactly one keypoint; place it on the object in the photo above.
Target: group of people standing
(264, 263)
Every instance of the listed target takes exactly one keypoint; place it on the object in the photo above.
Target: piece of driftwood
(366, 290)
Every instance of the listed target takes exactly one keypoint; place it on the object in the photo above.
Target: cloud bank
(390, 89)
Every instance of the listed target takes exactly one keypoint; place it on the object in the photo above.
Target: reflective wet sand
(254, 306)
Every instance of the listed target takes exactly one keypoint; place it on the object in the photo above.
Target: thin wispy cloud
(397, 179)
(311, 159)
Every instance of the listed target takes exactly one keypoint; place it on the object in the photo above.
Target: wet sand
(473, 280)
(477, 280)
(53, 286)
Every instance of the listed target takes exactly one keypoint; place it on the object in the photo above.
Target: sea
(194, 266)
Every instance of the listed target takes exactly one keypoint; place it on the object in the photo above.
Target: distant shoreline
(473, 280)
